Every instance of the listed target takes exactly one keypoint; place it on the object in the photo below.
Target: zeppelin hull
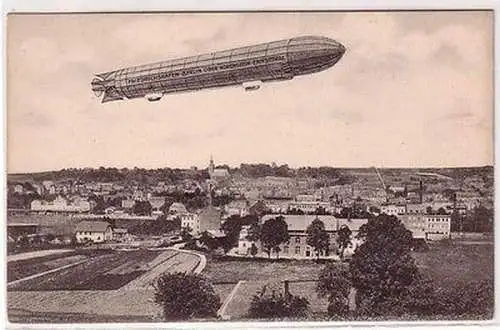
(274, 61)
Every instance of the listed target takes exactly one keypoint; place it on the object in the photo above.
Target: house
(94, 231)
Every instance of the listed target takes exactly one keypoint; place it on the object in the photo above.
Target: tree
(142, 208)
(334, 282)
(343, 239)
(50, 237)
(254, 232)
(186, 233)
(295, 211)
(254, 250)
(270, 302)
(231, 227)
(210, 242)
(274, 232)
(442, 211)
(382, 268)
(184, 296)
(317, 237)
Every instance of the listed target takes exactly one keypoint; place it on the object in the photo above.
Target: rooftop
(92, 226)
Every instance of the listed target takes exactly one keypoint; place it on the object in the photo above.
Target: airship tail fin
(104, 76)
(111, 94)
(100, 88)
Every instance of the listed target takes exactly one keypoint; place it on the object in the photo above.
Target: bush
(184, 296)
(337, 308)
(334, 282)
(471, 299)
(272, 303)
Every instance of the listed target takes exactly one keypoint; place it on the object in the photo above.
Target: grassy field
(107, 271)
(259, 273)
(23, 268)
(451, 267)
(251, 270)
(452, 264)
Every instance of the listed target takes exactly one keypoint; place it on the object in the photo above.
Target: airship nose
(335, 49)
(314, 54)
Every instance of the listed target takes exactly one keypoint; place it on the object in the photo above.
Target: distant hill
(151, 176)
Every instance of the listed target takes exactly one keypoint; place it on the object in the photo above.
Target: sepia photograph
(259, 166)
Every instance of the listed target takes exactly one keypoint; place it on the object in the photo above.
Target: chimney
(421, 192)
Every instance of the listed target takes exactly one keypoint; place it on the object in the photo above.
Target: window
(297, 239)
(297, 250)
(285, 249)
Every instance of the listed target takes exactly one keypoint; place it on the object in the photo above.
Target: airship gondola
(248, 67)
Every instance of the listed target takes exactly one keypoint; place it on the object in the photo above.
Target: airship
(249, 67)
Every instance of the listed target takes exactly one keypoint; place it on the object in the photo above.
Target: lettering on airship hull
(211, 68)
(274, 61)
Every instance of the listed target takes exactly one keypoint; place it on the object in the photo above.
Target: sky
(414, 89)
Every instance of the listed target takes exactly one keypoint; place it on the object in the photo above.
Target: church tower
(211, 166)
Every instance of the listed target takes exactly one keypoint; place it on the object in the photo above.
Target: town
(433, 206)
(221, 215)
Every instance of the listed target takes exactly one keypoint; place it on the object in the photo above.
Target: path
(46, 272)
(35, 254)
(222, 310)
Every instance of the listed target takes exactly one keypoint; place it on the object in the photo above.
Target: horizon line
(262, 163)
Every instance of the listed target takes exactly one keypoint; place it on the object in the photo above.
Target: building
(128, 204)
(192, 221)
(306, 198)
(427, 226)
(244, 245)
(415, 208)
(258, 208)
(309, 207)
(438, 226)
(177, 208)
(393, 209)
(210, 219)
(297, 246)
(237, 207)
(156, 203)
(217, 173)
(416, 223)
(121, 235)
(60, 204)
(15, 230)
(18, 189)
(93, 231)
